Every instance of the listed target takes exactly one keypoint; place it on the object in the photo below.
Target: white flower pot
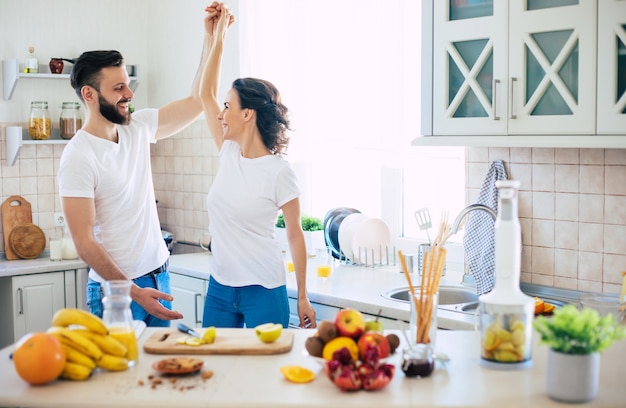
(312, 240)
(572, 378)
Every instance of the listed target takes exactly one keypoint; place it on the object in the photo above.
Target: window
(349, 72)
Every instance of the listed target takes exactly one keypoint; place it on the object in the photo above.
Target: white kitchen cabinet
(611, 67)
(28, 302)
(189, 295)
(514, 67)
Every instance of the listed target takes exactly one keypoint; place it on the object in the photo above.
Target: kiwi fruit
(327, 330)
(314, 345)
(394, 342)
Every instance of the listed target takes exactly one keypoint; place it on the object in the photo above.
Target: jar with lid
(70, 120)
(39, 120)
(31, 64)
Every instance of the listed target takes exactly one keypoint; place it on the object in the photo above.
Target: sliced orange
(548, 308)
(539, 305)
(297, 374)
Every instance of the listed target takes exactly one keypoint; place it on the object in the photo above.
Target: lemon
(193, 341)
(268, 332)
(297, 374)
(208, 336)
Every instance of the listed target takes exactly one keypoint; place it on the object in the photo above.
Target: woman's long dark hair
(271, 114)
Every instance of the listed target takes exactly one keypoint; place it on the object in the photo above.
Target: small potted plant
(313, 228)
(576, 338)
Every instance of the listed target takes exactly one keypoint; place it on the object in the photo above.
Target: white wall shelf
(13, 72)
(17, 136)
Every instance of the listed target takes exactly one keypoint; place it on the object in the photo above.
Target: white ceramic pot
(572, 378)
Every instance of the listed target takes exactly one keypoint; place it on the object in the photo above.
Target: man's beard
(110, 112)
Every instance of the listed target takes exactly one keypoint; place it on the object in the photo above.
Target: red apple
(350, 323)
(374, 339)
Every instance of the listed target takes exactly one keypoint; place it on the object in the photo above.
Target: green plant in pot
(313, 228)
(576, 338)
(308, 223)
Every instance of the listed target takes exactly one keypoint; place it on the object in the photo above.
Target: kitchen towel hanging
(479, 240)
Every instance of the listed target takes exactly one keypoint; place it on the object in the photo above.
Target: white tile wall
(572, 208)
(572, 203)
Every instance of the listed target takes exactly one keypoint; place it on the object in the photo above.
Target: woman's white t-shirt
(118, 177)
(243, 204)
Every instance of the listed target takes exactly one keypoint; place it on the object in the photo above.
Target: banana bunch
(87, 344)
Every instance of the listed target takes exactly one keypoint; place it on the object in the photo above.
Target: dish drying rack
(369, 257)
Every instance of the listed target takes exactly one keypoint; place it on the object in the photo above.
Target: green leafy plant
(581, 332)
(308, 223)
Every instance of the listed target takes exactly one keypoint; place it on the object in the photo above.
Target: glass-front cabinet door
(514, 67)
(612, 67)
(552, 64)
(469, 67)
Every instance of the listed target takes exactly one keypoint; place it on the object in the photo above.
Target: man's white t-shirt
(243, 204)
(118, 177)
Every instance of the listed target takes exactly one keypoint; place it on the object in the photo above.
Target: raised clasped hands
(215, 11)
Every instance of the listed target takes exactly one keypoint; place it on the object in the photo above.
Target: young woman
(248, 282)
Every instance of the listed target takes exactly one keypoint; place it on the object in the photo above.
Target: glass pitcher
(118, 317)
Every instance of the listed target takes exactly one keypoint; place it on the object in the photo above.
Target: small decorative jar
(39, 121)
(70, 120)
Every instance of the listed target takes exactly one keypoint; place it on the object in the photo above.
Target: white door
(36, 298)
(612, 67)
(552, 59)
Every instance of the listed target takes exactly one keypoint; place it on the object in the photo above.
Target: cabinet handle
(195, 309)
(19, 294)
(496, 82)
(513, 80)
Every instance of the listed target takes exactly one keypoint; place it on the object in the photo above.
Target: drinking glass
(324, 262)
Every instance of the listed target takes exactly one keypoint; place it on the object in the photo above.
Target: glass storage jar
(70, 120)
(39, 120)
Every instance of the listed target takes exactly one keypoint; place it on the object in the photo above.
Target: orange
(297, 374)
(39, 358)
(539, 305)
(337, 344)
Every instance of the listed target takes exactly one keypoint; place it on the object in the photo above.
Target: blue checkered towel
(479, 240)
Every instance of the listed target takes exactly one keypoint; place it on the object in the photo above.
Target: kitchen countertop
(462, 382)
(42, 264)
(353, 286)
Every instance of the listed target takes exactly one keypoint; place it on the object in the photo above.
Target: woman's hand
(214, 12)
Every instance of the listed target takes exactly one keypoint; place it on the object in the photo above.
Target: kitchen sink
(472, 306)
(448, 295)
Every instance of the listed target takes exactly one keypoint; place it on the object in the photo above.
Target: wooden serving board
(15, 211)
(227, 341)
(27, 241)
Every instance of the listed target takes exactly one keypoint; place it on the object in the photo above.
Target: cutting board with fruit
(16, 210)
(227, 341)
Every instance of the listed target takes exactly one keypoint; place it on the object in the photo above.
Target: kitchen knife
(188, 330)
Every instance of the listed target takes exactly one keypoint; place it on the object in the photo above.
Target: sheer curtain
(349, 71)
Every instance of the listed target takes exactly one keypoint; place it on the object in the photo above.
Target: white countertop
(350, 286)
(255, 381)
(42, 264)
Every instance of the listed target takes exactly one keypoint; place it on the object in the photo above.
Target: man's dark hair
(86, 70)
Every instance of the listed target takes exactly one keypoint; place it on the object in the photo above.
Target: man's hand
(148, 298)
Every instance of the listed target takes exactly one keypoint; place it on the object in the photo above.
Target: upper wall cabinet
(525, 69)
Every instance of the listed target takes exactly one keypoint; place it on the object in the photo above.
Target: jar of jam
(39, 121)
(70, 120)
(418, 361)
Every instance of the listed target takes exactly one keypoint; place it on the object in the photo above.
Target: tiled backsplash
(572, 201)
(572, 208)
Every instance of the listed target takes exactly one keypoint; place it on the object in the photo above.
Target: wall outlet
(59, 219)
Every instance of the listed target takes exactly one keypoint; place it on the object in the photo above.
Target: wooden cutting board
(15, 211)
(227, 341)
(27, 241)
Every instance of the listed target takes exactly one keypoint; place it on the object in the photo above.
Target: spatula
(422, 216)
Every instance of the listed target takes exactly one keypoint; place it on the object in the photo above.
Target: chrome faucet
(455, 225)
